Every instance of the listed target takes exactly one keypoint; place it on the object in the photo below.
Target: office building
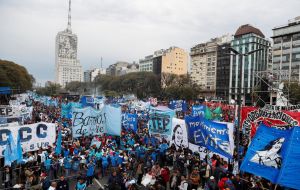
(173, 60)
(286, 51)
(204, 58)
(247, 38)
(67, 66)
(223, 71)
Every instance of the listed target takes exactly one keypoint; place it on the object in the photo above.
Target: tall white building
(67, 66)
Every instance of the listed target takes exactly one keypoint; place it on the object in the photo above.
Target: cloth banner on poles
(160, 121)
(114, 120)
(212, 135)
(32, 137)
(251, 117)
(274, 155)
(89, 121)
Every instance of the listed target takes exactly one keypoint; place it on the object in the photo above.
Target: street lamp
(239, 98)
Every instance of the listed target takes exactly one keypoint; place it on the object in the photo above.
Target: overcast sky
(125, 30)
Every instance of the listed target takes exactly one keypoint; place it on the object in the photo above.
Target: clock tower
(67, 66)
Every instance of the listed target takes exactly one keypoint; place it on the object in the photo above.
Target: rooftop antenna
(69, 17)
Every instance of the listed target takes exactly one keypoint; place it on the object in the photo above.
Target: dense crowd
(132, 161)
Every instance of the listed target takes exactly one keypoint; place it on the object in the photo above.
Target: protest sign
(160, 121)
(178, 105)
(179, 136)
(130, 121)
(198, 110)
(32, 137)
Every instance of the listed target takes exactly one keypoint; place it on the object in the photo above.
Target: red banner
(251, 117)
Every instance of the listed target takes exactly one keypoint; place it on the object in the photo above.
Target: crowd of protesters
(134, 160)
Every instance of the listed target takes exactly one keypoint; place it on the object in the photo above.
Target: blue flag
(10, 152)
(274, 154)
(58, 143)
(19, 150)
(214, 136)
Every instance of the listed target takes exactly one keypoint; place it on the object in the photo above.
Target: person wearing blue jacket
(90, 172)
(67, 165)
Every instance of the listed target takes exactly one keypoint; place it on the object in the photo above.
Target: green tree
(15, 76)
(52, 90)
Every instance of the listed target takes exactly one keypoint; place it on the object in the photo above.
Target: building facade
(122, 68)
(223, 71)
(173, 60)
(87, 76)
(286, 51)
(67, 66)
(247, 38)
(204, 58)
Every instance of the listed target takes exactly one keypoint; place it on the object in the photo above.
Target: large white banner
(179, 138)
(33, 137)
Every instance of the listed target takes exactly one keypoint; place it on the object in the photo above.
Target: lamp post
(239, 98)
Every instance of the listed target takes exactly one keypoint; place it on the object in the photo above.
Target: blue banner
(274, 155)
(198, 110)
(131, 121)
(89, 121)
(113, 124)
(66, 109)
(178, 105)
(214, 136)
(160, 122)
(87, 101)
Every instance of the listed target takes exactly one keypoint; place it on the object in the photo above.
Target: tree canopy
(15, 76)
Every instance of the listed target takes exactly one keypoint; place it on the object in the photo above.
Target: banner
(114, 120)
(87, 101)
(179, 136)
(178, 105)
(6, 110)
(131, 121)
(160, 122)
(88, 121)
(32, 137)
(198, 110)
(4, 120)
(274, 155)
(251, 117)
(212, 135)
(66, 109)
